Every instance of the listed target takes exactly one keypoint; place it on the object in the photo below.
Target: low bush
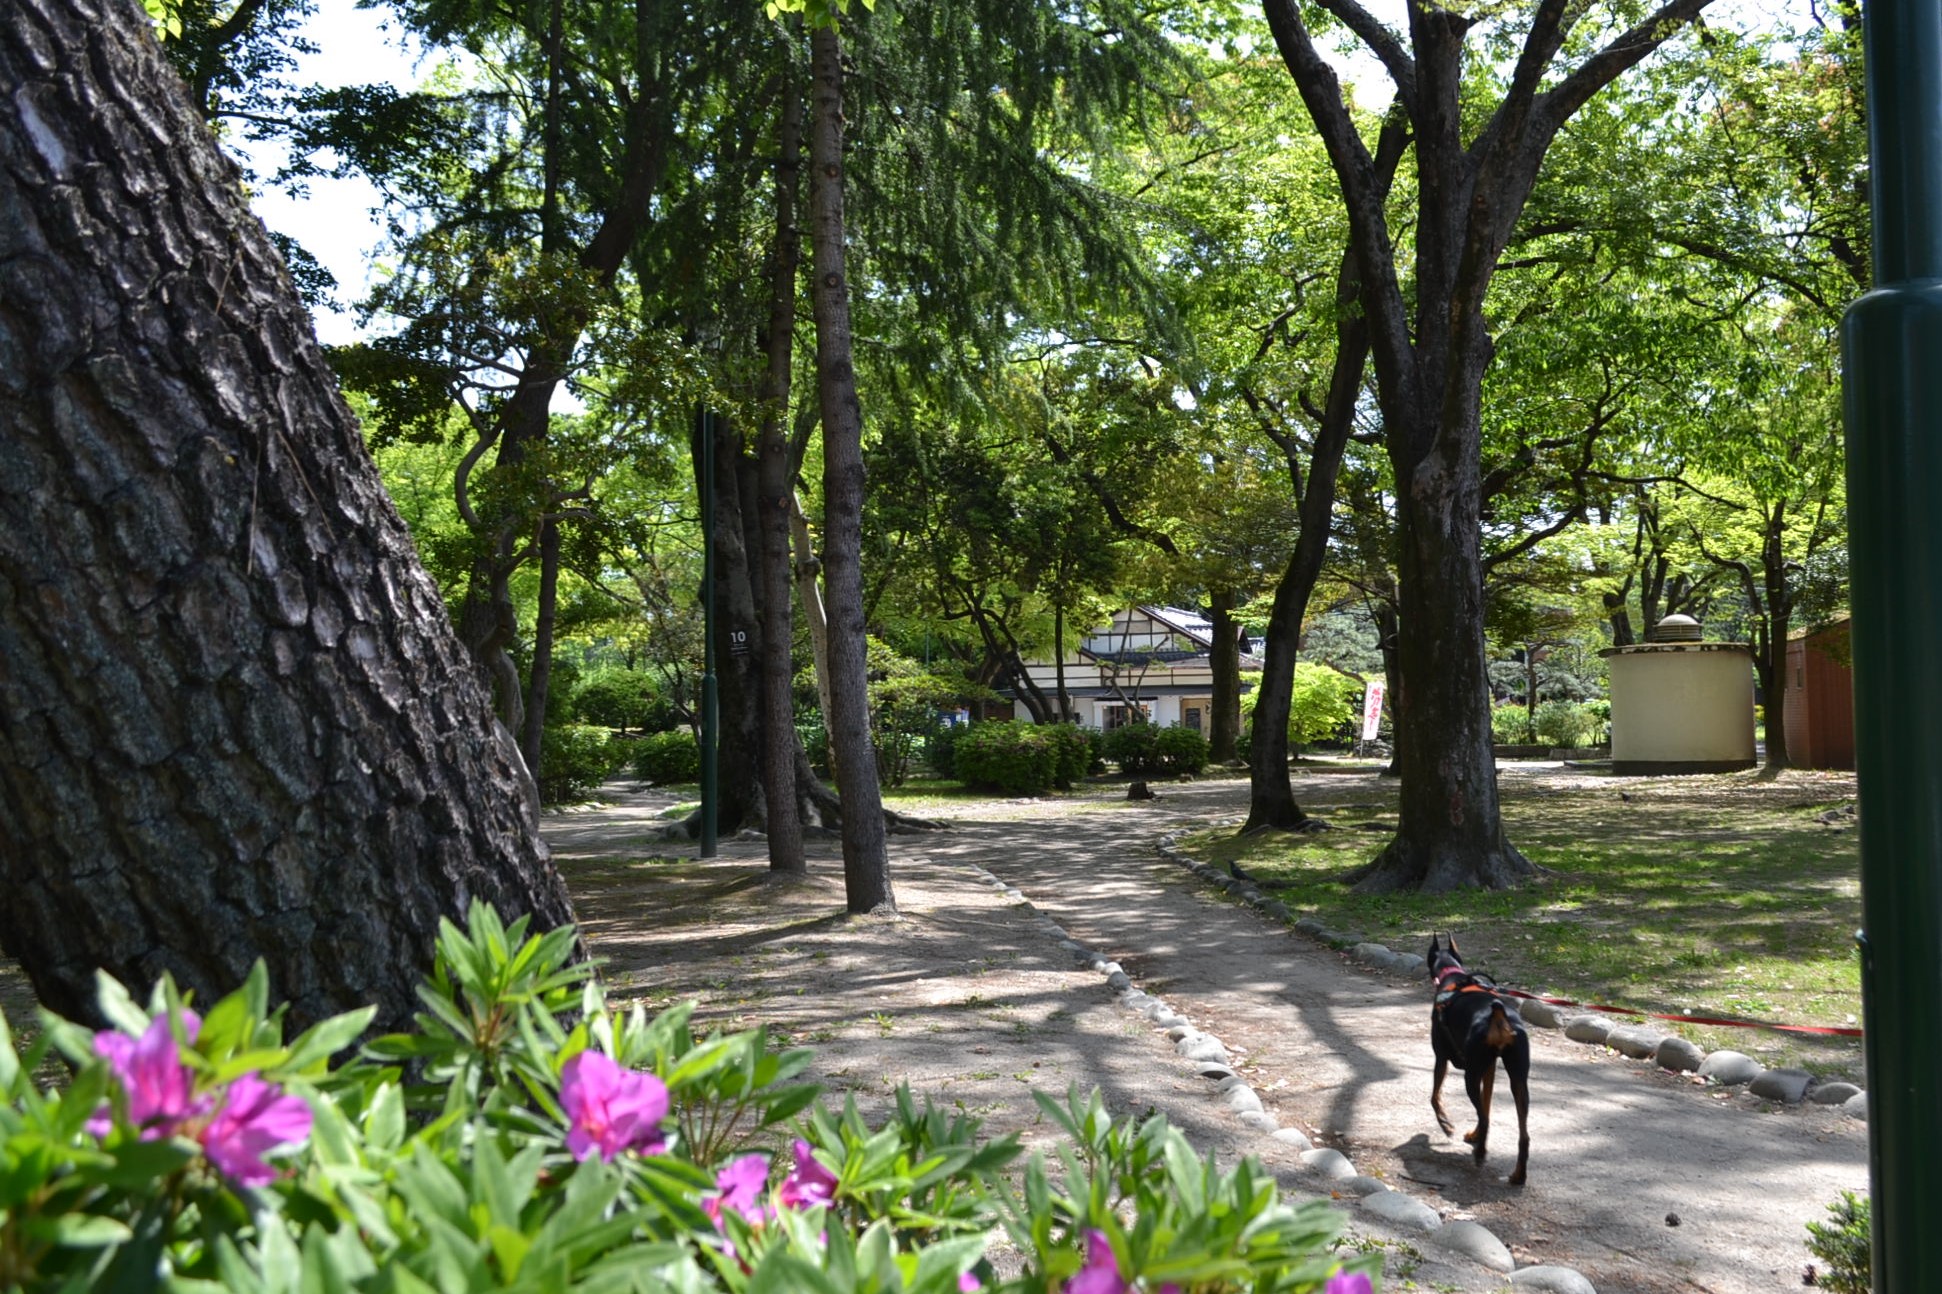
(1566, 723)
(1179, 750)
(527, 1137)
(1130, 746)
(1510, 725)
(1076, 751)
(667, 758)
(574, 759)
(1010, 757)
(940, 748)
(1140, 748)
(1845, 1244)
(614, 698)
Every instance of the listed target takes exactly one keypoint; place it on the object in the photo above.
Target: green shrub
(574, 759)
(1071, 751)
(667, 758)
(1130, 746)
(1319, 703)
(1011, 757)
(1565, 723)
(1179, 750)
(466, 1155)
(1510, 725)
(1844, 1245)
(614, 698)
(940, 748)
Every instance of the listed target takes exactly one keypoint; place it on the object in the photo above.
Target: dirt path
(969, 1001)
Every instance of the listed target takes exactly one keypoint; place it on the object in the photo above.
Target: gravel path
(1640, 1180)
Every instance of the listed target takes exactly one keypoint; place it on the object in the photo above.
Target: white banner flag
(1371, 711)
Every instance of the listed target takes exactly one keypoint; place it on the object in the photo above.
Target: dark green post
(710, 711)
(1892, 348)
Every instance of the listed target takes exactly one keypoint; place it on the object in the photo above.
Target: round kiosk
(1680, 705)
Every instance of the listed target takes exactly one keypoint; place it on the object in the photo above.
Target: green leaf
(328, 1037)
(89, 1231)
(112, 999)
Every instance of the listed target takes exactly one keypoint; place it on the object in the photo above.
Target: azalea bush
(525, 1136)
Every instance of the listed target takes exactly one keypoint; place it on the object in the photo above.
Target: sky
(334, 223)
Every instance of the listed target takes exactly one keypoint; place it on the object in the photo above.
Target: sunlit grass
(1691, 902)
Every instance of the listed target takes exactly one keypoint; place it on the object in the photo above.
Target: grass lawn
(1697, 896)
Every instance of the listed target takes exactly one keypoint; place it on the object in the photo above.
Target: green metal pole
(710, 704)
(1891, 343)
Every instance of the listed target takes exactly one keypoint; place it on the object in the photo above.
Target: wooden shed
(1820, 697)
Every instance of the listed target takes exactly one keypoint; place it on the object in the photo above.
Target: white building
(1155, 658)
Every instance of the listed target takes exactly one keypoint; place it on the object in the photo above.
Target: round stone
(1360, 1186)
(1244, 1100)
(1635, 1040)
(1680, 1054)
(1856, 1106)
(1729, 1068)
(1294, 1137)
(1588, 1028)
(1541, 1014)
(1476, 1242)
(1553, 1280)
(1258, 1120)
(1330, 1163)
(1833, 1093)
(1402, 1211)
(1787, 1086)
(1202, 1048)
(1118, 980)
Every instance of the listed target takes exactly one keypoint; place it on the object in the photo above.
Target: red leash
(1688, 1019)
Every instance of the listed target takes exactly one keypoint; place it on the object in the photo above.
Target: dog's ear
(1435, 947)
(1450, 942)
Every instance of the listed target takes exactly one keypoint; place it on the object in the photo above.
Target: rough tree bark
(1224, 724)
(775, 488)
(234, 719)
(1431, 346)
(866, 859)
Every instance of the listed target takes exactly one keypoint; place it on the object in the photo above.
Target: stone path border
(1639, 1041)
(1209, 1058)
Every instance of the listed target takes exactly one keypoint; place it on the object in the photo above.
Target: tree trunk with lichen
(235, 722)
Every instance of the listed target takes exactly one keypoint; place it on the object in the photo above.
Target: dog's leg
(1480, 1085)
(1436, 1096)
(1517, 1067)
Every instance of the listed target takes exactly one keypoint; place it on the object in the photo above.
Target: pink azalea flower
(611, 1109)
(255, 1118)
(160, 1088)
(1348, 1283)
(967, 1282)
(809, 1183)
(1100, 1275)
(740, 1191)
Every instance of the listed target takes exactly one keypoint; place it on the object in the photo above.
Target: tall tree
(236, 722)
(1475, 165)
(866, 859)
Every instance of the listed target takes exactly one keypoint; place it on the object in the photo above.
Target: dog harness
(1450, 981)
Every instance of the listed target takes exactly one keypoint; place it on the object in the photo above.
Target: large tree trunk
(866, 859)
(775, 501)
(235, 721)
(739, 802)
(1450, 834)
(1225, 660)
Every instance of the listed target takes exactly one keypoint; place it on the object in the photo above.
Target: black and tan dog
(1472, 1028)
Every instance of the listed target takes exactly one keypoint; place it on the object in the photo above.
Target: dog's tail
(1498, 1033)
